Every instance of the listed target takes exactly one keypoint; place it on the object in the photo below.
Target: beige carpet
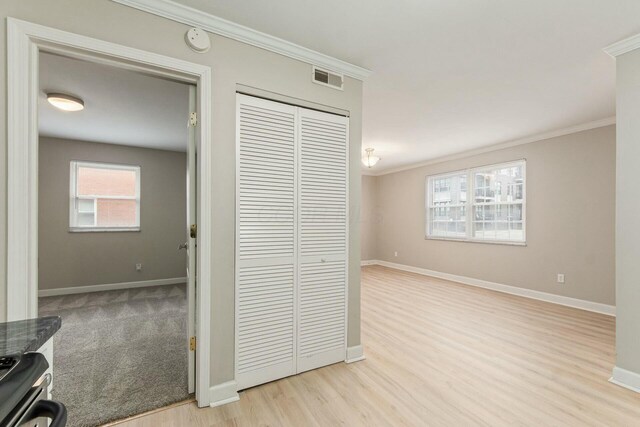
(119, 353)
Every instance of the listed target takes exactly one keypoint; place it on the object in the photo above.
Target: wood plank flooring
(444, 354)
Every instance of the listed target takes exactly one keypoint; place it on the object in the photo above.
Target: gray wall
(232, 63)
(369, 218)
(628, 212)
(570, 219)
(77, 259)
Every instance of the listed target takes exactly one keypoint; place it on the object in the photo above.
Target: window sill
(102, 230)
(490, 242)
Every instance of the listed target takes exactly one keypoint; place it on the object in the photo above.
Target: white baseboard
(627, 379)
(596, 307)
(368, 262)
(355, 354)
(110, 287)
(224, 393)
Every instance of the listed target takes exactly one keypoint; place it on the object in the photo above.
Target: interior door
(265, 241)
(191, 236)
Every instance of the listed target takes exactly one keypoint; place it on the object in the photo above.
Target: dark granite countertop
(22, 336)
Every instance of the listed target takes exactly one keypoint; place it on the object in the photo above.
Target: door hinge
(193, 119)
(193, 231)
(192, 344)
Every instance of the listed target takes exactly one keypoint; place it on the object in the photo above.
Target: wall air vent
(327, 78)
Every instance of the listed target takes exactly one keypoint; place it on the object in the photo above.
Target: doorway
(26, 41)
(113, 236)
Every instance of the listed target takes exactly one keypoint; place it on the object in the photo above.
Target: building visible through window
(496, 211)
(104, 197)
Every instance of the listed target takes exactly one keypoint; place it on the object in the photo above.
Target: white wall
(369, 218)
(628, 213)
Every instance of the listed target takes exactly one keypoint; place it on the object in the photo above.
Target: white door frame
(24, 41)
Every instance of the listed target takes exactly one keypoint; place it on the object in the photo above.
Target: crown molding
(196, 18)
(623, 46)
(533, 138)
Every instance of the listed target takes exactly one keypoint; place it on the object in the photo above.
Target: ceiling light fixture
(369, 160)
(65, 102)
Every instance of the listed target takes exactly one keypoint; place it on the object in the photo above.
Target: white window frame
(73, 197)
(469, 206)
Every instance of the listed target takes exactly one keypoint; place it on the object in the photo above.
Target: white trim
(623, 46)
(197, 18)
(355, 354)
(596, 307)
(103, 229)
(368, 262)
(109, 287)
(24, 41)
(627, 379)
(224, 393)
(500, 146)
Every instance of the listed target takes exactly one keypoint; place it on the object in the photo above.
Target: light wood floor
(440, 353)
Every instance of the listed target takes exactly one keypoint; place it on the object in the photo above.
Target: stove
(23, 392)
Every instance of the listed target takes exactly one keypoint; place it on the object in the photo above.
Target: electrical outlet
(138, 267)
(395, 253)
(560, 278)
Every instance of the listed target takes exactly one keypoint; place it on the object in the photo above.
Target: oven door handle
(55, 411)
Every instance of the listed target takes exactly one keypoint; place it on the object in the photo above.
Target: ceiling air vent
(327, 78)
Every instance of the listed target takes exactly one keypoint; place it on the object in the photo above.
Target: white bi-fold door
(322, 238)
(291, 240)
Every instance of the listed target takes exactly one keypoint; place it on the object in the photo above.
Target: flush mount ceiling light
(65, 102)
(369, 160)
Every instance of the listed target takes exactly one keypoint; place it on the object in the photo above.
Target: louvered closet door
(265, 241)
(322, 256)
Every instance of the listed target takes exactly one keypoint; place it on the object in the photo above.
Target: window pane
(516, 232)
(502, 184)
(106, 182)
(461, 229)
(498, 199)
(502, 230)
(489, 230)
(86, 219)
(447, 212)
(86, 205)
(116, 213)
(515, 212)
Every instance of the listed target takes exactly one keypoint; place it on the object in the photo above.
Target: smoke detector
(198, 40)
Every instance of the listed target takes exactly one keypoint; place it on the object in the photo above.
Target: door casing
(24, 42)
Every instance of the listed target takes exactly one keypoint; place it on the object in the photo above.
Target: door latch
(192, 343)
(193, 231)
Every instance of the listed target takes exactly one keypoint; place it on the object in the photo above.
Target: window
(104, 197)
(494, 211)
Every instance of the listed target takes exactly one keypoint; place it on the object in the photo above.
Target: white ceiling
(451, 76)
(121, 107)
